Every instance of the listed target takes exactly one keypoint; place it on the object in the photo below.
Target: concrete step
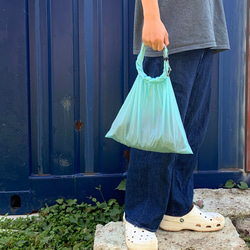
(234, 204)
(111, 237)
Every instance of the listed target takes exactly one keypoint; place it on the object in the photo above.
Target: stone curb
(234, 204)
(111, 237)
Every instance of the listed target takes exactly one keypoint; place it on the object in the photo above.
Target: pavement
(234, 204)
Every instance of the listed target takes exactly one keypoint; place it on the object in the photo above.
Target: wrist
(151, 15)
(151, 10)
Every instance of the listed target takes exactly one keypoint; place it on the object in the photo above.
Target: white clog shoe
(195, 220)
(139, 238)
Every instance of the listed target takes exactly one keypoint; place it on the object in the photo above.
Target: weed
(199, 203)
(122, 185)
(231, 184)
(65, 225)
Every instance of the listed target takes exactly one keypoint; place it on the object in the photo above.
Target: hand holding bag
(149, 118)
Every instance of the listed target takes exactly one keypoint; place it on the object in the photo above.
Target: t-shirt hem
(211, 45)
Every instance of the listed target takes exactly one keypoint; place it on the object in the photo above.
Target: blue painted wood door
(66, 68)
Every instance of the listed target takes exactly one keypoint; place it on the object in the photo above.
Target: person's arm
(154, 33)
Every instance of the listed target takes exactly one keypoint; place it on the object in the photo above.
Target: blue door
(66, 68)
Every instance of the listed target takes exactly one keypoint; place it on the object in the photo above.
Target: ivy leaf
(88, 237)
(230, 184)
(112, 202)
(21, 242)
(65, 225)
(59, 201)
(242, 185)
(72, 202)
(103, 205)
(69, 209)
(122, 185)
(46, 240)
(73, 220)
(76, 247)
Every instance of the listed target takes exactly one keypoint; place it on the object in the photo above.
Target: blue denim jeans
(161, 183)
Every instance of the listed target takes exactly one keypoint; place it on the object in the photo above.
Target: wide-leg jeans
(162, 183)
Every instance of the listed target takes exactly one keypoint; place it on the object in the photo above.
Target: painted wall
(66, 67)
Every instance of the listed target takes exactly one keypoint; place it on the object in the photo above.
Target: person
(159, 190)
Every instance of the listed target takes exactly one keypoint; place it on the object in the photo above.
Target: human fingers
(166, 39)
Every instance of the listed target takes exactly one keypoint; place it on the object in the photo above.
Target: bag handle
(166, 59)
(139, 61)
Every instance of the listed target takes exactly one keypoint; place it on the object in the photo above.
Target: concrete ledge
(232, 203)
(111, 237)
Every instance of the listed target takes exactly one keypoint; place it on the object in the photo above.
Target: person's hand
(154, 34)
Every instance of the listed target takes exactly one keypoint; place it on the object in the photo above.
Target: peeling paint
(66, 102)
(63, 161)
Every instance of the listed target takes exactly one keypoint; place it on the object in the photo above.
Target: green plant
(199, 203)
(244, 235)
(65, 225)
(247, 240)
(122, 185)
(231, 184)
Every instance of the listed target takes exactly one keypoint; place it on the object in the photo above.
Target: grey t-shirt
(192, 24)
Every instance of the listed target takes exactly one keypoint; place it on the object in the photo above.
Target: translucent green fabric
(149, 118)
